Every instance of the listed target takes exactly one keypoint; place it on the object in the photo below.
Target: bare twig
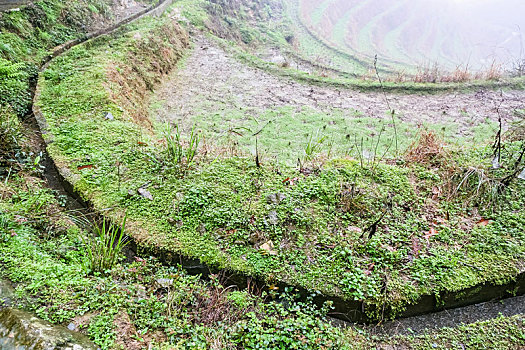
(392, 111)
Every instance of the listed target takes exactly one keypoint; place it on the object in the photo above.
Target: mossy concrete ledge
(344, 309)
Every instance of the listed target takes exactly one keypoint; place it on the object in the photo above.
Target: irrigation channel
(478, 303)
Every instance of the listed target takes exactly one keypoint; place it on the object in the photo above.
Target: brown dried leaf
(483, 222)
(432, 232)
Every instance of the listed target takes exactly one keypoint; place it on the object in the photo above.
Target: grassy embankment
(42, 250)
(27, 37)
(363, 229)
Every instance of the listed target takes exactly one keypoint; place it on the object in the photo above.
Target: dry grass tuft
(427, 74)
(428, 149)
(461, 74)
(495, 72)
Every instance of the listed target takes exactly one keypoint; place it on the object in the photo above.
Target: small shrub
(477, 184)
(519, 68)
(103, 245)
(427, 74)
(495, 72)
(179, 154)
(516, 130)
(14, 86)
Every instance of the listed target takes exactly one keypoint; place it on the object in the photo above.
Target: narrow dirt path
(120, 9)
(212, 81)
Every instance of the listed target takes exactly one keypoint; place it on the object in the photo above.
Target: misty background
(423, 32)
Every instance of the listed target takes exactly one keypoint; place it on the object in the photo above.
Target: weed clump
(103, 246)
(181, 154)
(428, 150)
(5, 228)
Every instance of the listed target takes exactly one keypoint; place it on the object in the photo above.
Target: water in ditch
(454, 317)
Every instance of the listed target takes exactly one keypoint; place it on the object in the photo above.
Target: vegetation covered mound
(141, 304)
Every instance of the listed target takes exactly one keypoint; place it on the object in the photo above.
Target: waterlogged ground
(218, 93)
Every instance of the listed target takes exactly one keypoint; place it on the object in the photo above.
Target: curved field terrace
(295, 195)
(450, 33)
(319, 188)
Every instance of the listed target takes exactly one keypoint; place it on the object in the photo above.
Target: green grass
(50, 279)
(500, 333)
(283, 132)
(193, 11)
(222, 211)
(43, 256)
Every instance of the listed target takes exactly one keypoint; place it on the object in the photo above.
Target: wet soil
(211, 80)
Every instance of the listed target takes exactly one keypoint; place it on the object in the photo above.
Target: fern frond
(9, 69)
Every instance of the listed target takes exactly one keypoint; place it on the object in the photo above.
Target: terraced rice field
(451, 33)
